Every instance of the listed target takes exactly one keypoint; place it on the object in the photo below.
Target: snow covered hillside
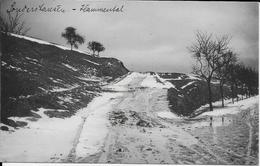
(131, 122)
(37, 74)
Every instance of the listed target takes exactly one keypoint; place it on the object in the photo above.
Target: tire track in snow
(103, 155)
(109, 140)
(249, 146)
(72, 155)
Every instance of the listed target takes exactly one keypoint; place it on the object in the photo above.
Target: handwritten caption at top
(84, 8)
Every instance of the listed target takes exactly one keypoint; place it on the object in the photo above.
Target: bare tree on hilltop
(11, 21)
(208, 51)
(95, 46)
(73, 39)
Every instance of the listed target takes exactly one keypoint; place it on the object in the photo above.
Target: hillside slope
(36, 74)
(190, 92)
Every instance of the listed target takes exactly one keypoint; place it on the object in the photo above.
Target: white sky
(151, 35)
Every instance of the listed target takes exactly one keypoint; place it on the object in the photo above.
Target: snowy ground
(47, 139)
(131, 123)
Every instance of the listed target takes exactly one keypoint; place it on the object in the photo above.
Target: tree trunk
(250, 91)
(71, 47)
(236, 91)
(221, 93)
(210, 96)
(232, 92)
(243, 91)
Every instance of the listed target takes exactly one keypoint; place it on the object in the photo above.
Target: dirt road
(141, 129)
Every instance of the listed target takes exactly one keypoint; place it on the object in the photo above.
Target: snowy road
(140, 128)
(131, 123)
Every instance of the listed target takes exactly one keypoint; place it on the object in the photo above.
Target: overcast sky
(150, 35)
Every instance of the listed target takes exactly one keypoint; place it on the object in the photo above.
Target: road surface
(136, 126)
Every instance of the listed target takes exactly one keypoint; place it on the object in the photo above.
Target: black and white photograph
(129, 82)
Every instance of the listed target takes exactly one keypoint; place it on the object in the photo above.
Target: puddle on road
(215, 122)
(233, 139)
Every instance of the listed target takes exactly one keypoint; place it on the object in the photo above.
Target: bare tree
(223, 67)
(12, 22)
(208, 51)
(72, 37)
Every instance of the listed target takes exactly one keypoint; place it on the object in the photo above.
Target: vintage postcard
(129, 82)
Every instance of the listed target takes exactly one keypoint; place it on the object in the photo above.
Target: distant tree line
(215, 60)
(74, 39)
(243, 80)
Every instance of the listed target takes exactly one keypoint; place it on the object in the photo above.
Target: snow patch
(216, 82)
(167, 114)
(135, 80)
(231, 108)
(94, 79)
(66, 99)
(109, 64)
(55, 81)
(58, 89)
(129, 78)
(24, 97)
(193, 76)
(222, 111)
(188, 84)
(123, 84)
(155, 81)
(3, 63)
(44, 90)
(169, 79)
(15, 68)
(91, 62)
(70, 67)
(31, 59)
